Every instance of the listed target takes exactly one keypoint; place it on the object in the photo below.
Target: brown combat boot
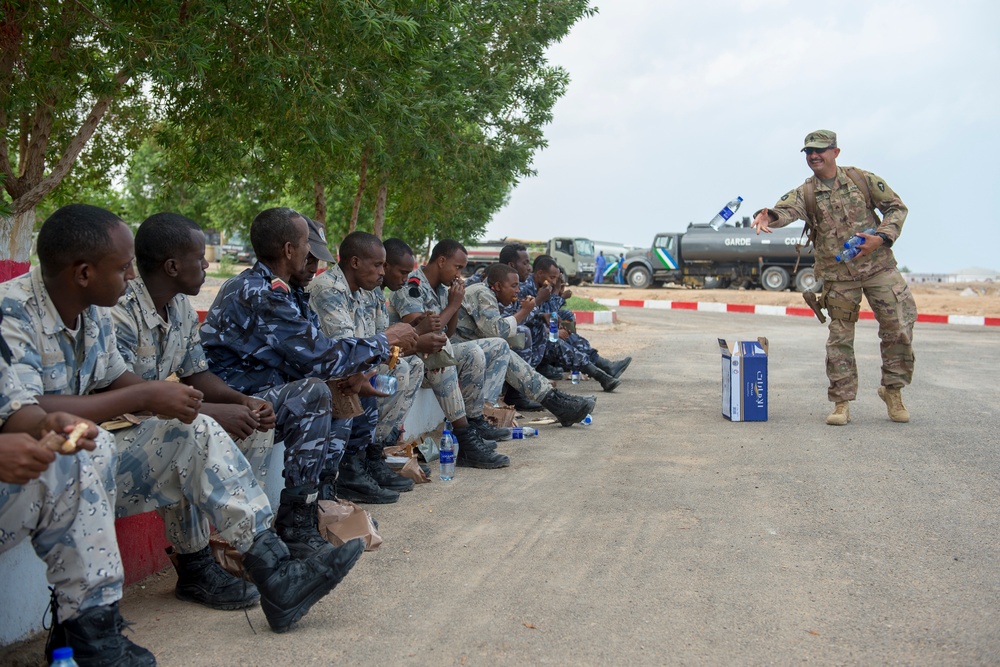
(841, 414)
(894, 404)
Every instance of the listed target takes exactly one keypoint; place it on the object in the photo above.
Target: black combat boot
(356, 485)
(612, 368)
(550, 372)
(201, 579)
(568, 409)
(474, 453)
(487, 430)
(95, 636)
(520, 402)
(296, 522)
(608, 383)
(289, 587)
(383, 475)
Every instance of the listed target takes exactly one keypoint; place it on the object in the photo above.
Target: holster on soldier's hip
(813, 301)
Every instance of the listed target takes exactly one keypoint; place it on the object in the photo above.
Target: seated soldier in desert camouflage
(479, 317)
(62, 339)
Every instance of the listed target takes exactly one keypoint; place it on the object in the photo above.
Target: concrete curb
(711, 307)
(596, 316)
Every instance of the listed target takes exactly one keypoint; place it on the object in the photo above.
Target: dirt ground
(950, 299)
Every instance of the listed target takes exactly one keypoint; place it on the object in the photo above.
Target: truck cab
(575, 256)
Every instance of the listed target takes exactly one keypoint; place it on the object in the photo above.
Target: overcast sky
(674, 108)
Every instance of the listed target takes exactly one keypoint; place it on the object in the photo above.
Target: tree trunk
(383, 195)
(16, 231)
(362, 182)
(319, 194)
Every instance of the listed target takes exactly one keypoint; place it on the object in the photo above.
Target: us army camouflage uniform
(160, 462)
(362, 313)
(480, 318)
(68, 514)
(482, 364)
(260, 335)
(842, 212)
(155, 349)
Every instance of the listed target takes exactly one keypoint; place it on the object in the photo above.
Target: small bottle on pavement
(446, 454)
(587, 421)
(386, 384)
(574, 376)
(553, 327)
(520, 433)
(63, 657)
(720, 218)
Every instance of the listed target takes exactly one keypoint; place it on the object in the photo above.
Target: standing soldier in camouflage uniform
(546, 272)
(65, 504)
(836, 204)
(177, 457)
(261, 337)
(344, 299)
(479, 317)
(434, 294)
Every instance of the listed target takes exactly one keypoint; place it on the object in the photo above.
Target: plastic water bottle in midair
(554, 327)
(722, 216)
(520, 432)
(446, 455)
(387, 384)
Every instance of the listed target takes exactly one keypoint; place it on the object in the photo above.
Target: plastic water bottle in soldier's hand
(722, 216)
(386, 384)
(858, 239)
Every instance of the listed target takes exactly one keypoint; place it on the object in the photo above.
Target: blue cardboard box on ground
(744, 380)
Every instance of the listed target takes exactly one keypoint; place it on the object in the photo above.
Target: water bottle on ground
(520, 433)
(387, 384)
(63, 657)
(446, 455)
(587, 421)
(574, 376)
(857, 239)
(554, 327)
(720, 218)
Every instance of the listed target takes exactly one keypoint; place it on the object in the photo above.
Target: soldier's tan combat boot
(841, 414)
(894, 404)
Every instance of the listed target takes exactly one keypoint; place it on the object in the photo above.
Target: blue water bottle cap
(446, 432)
(62, 653)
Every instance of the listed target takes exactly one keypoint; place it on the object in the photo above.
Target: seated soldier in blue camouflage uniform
(60, 331)
(479, 317)
(348, 299)
(65, 504)
(432, 295)
(546, 272)
(261, 336)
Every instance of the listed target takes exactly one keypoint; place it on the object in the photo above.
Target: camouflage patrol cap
(317, 242)
(821, 139)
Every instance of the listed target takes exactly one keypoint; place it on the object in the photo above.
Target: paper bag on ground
(341, 521)
(412, 470)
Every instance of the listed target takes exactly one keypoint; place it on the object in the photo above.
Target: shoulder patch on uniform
(881, 186)
(413, 280)
(279, 285)
(414, 291)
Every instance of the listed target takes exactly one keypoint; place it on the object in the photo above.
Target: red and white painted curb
(596, 316)
(711, 307)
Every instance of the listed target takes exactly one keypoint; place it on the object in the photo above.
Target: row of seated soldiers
(87, 341)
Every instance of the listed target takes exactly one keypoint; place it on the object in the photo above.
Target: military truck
(731, 256)
(574, 255)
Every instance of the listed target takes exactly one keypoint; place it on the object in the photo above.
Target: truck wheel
(713, 282)
(805, 280)
(639, 277)
(774, 279)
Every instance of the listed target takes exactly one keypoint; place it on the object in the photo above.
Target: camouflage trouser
(363, 426)
(526, 379)
(409, 373)
(257, 447)
(569, 356)
(314, 440)
(197, 468)
(896, 312)
(536, 343)
(496, 353)
(454, 386)
(68, 515)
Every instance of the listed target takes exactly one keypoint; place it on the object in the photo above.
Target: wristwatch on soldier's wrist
(886, 241)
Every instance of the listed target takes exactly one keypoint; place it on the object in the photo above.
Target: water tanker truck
(731, 256)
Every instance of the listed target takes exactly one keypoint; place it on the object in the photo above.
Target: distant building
(973, 274)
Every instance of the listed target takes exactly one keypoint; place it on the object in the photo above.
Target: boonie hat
(821, 139)
(317, 242)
